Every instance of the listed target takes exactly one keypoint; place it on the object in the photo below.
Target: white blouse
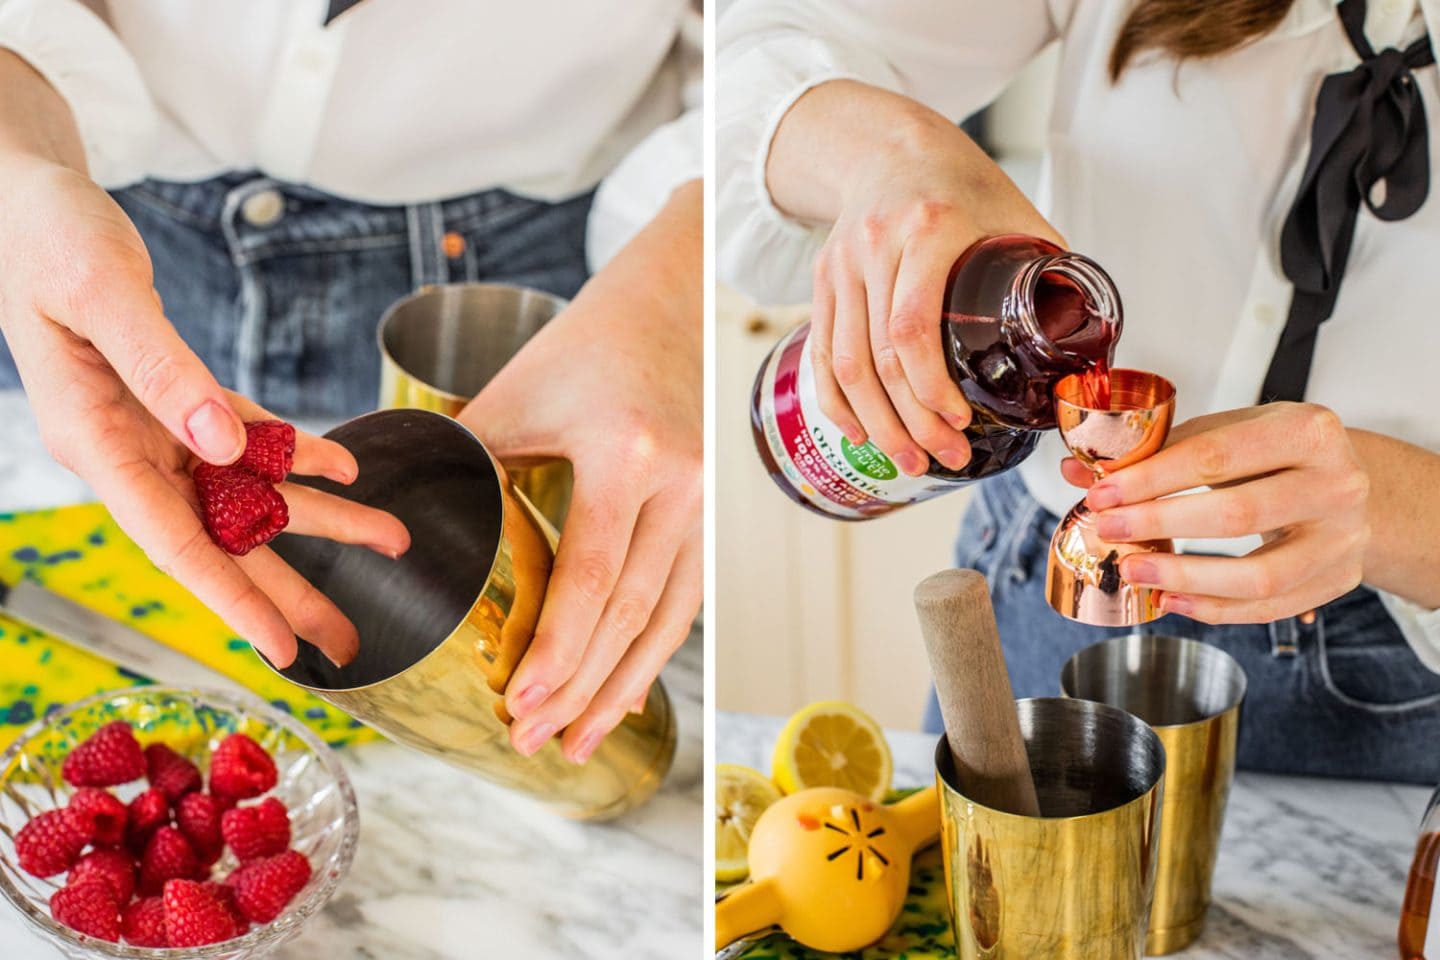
(1176, 179)
(396, 101)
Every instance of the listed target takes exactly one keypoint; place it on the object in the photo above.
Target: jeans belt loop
(425, 222)
(1285, 637)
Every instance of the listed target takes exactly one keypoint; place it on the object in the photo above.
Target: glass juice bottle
(1019, 314)
(1418, 939)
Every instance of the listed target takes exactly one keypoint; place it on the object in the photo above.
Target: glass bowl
(324, 818)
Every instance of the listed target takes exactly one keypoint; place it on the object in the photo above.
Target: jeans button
(263, 209)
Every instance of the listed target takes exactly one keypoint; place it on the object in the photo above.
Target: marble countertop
(1308, 868)
(449, 866)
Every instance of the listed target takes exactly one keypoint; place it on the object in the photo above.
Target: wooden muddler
(973, 687)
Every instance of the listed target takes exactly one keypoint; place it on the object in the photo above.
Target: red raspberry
(196, 914)
(167, 856)
(262, 830)
(105, 810)
(88, 907)
(109, 756)
(142, 924)
(269, 450)
(264, 887)
(198, 817)
(241, 511)
(240, 768)
(114, 867)
(148, 811)
(51, 843)
(171, 772)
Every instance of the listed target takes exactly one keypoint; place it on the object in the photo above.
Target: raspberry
(241, 511)
(171, 772)
(196, 914)
(105, 810)
(264, 887)
(51, 843)
(269, 450)
(198, 817)
(142, 924)
(88, 907)
(240, 768)
(262, 830)
(110, 866)
(109, 756)
(168, 856)
(148, 811)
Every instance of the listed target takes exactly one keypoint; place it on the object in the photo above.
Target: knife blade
(96, 633)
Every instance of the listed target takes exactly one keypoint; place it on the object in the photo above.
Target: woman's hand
(614, 385)
(1286, 471)
(123, 402)
(908, 193)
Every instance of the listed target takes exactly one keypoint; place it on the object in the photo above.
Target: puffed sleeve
(81, 57)
(954, 57)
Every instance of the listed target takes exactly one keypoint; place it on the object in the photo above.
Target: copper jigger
(1083, 579)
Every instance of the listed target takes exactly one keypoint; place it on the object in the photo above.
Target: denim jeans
(279, 287)
(1344, 696)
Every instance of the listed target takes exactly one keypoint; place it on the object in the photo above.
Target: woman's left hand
(1286, 471)
(614, 385)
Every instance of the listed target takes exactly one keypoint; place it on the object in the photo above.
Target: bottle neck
(1101, 301)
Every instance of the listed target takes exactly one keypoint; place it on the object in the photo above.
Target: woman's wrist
(1403, 556)
(36, 124)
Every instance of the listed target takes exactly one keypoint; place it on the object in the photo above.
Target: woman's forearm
(1404, 553)
(35, 121)
(837, 127)
(663, 266)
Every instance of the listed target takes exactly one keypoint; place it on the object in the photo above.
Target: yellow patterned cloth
(80, 553)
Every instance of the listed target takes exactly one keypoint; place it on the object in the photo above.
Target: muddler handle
(973, 687)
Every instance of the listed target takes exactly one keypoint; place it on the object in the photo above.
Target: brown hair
(1193, 28)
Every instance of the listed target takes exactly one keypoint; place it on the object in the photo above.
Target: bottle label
(815, 457)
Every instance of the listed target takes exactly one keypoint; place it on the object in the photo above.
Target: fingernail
(585, 747)
(1103, 496)
(216, 432)
(1173, 603)
(531, 743)
(1142, 572)
(855, 435)
(639, 705)
(910, 462)
(954, 459)
(529, 698)
(958, 422)
(1112, 527)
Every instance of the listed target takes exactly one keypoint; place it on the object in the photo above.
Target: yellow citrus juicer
(830, 867)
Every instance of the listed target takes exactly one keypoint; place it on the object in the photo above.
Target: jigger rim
(499, 495)
(1137, 729)
(1064, 386)
(431, 289)
(1198, 648)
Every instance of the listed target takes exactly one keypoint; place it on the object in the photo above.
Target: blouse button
(1265, 314)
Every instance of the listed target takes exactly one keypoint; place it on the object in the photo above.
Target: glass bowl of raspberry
(165, 823)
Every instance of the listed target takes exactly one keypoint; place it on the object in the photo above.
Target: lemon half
(741, 795)
(833, 744)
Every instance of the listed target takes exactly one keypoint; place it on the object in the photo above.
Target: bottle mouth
(1074, 270)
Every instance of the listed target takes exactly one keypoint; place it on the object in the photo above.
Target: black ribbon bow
(1368, 144)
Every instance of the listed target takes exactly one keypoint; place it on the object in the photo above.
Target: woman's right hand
(907, 195)
(124, 403)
